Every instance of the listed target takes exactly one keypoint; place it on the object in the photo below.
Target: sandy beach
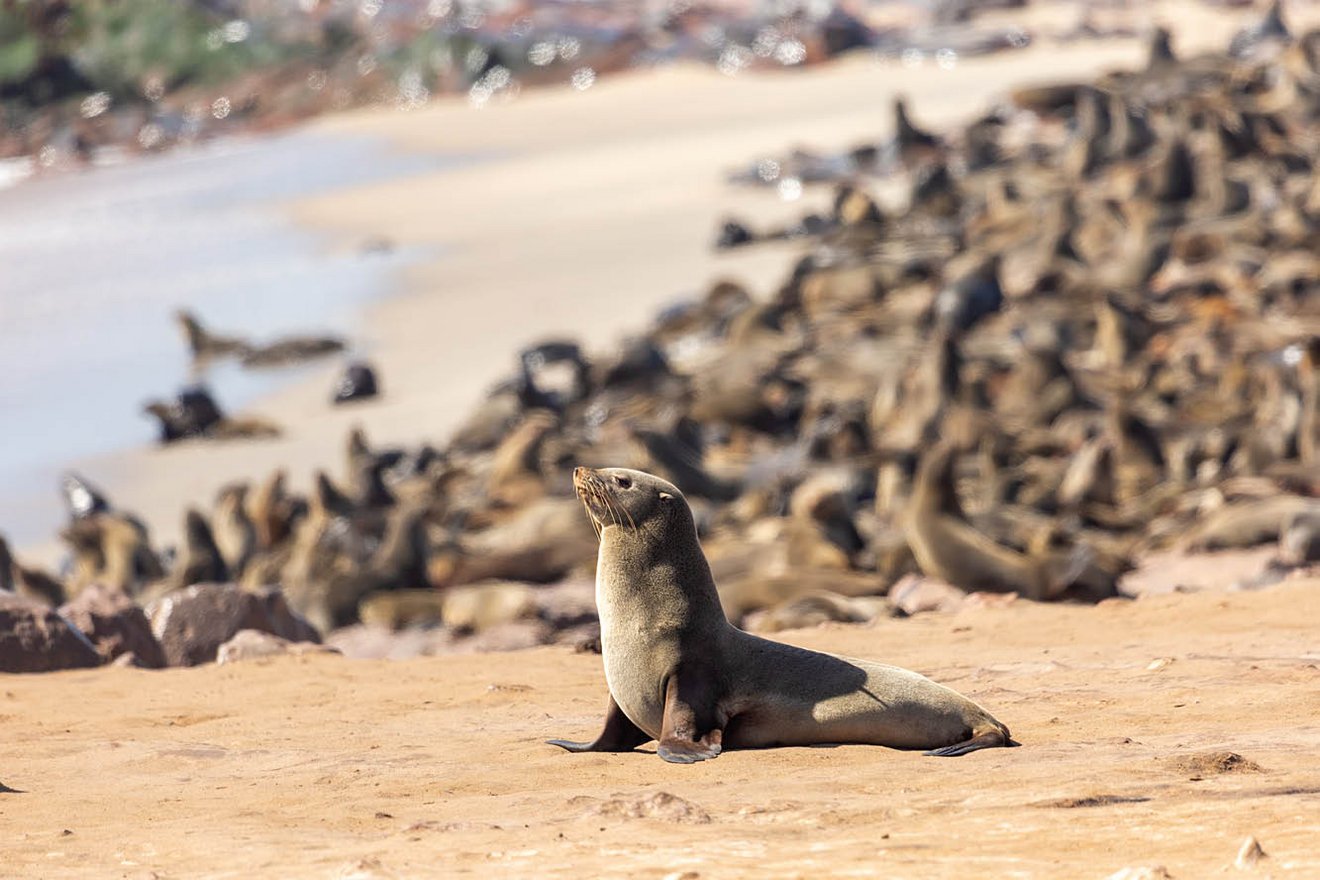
(1156, 733)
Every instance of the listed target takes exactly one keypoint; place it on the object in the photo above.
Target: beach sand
(1159, 732)
(587, 213)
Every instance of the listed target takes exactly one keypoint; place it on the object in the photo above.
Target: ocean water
(94, 264)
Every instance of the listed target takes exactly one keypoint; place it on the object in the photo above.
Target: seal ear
(665, 496)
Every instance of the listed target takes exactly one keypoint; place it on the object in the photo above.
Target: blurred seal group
(681, 674)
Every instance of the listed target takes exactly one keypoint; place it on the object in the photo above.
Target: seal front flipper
(691, 730)
(619, 735)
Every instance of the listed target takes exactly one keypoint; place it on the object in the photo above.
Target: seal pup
(680, 673)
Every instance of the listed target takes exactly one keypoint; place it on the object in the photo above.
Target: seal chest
(626, 650)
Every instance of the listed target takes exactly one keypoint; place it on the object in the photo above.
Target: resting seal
(680, 673)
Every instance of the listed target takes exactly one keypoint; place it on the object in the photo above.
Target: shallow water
(93, 265)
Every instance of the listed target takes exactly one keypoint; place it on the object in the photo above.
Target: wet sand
(327, 767)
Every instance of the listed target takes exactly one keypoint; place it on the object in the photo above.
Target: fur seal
(680, 673)
(204, 344)
(194, 413)
(28, 582)
(947, 546)
(293, 350)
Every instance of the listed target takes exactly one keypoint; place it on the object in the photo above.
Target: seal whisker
(595, 526)
(609, 505)
(603, 498)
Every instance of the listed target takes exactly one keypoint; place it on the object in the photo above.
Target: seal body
(680, 673)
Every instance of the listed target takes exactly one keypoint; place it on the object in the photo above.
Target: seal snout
(583, 480)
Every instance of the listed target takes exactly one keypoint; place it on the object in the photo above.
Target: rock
(733, 234)
(191, 624)
(33, 638)
(358, 382)
(116, 625)
(1249, 854)
(252, 644)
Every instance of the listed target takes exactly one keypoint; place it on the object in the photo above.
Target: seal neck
(667, 575)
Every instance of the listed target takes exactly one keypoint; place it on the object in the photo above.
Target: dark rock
(191, 414)
(34, 638)
(191, 624)
(357, 383)
(733, 234)
(553, 374)
(116, 625)
(841, 31)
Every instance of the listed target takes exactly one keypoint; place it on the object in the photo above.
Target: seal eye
(623, 482)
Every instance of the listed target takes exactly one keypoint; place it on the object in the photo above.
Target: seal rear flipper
(619, 735)
(994, 738)
(691, 730)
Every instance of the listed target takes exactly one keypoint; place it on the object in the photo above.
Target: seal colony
(1089, 335)
(681, 674)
